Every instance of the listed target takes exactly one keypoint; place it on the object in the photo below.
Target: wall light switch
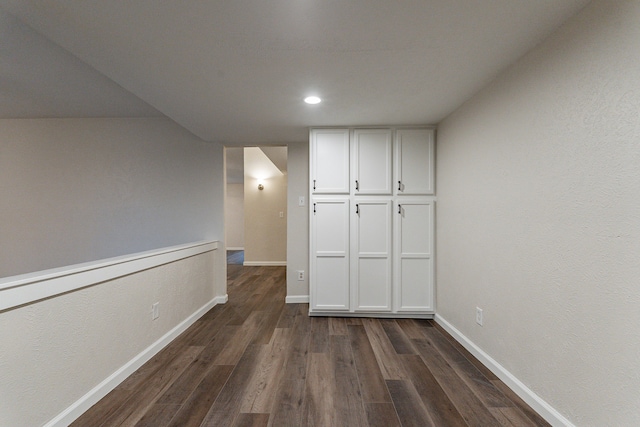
(281, 214)
(155, 311)
(301, 201)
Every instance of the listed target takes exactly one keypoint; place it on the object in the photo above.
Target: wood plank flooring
(256, 361)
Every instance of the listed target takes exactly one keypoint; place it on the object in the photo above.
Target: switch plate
(155, 311)
(479, 319)
(301, 201)
(281, 214)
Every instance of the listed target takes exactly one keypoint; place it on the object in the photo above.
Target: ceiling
(236, 164)
(236, 72)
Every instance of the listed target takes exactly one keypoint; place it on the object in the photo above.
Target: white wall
(76, 190)
(55, 351)
(298, 222)
(265, 232)
(234, 216)
(538, 217)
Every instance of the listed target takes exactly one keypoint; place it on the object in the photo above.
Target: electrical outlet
(154, 311)
(300, 274)
(479, 319)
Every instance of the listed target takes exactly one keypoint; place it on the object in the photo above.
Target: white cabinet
(330, 254)
(329, 154)
(414, 172)
(372, 161)
(372, 249)
(371, 222)
(413, 263)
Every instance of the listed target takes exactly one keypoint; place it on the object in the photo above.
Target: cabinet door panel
(372, 255)
(416, 290)
(372, 153)
(329, 275)
(331, 287)
(373, 285)
(329, 161)
(413, 256)
(415, 229)
(414, 162)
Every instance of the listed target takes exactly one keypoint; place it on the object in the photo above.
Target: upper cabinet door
(329, 161)
(414, 162)
(372, 153)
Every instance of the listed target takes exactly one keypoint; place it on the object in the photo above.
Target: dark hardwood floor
(256, 361)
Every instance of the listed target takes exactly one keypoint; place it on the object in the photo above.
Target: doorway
(256, 205)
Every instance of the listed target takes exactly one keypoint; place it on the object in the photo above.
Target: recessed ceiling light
(312, 100)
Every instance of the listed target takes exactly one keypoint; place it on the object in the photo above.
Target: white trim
(27, 288)
(223, 299)
(539, 405)
(372, 314)
(232, 248)
(80, 406)
(296, 299)
(264, 263)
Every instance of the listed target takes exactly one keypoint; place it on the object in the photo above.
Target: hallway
(256, 361)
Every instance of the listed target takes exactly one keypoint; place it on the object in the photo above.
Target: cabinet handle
(400, 209)
(357, 186)
(399, 186)
(314, 208)
(314, 184)
(357, 209)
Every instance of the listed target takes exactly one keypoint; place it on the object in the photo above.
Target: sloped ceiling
(39, 79)
(236, 71)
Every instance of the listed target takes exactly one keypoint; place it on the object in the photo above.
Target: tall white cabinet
(371, 216)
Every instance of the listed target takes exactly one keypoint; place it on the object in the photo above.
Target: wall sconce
(260, 187)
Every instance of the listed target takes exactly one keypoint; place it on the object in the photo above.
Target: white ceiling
(236, 71)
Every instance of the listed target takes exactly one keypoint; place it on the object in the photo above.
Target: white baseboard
(79, 407)
(265, 263)
(221, 300)
(538, 404)
(297, 299)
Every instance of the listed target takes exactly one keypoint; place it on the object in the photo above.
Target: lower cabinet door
(371, 275)
(329, 278)
(414, 256)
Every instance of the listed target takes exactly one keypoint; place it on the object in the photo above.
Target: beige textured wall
(55, 351)
(538, 217)
(234, 216)
(298, 220)
(265, 233)
(77, 190)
